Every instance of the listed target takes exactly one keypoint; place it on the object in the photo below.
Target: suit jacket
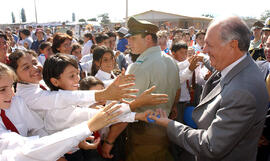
(230, 118)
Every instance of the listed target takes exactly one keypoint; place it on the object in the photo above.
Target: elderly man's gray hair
(236, 29)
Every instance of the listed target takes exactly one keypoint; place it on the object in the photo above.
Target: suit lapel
(217, 90)
(207, 85)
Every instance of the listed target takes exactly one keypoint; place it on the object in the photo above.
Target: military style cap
(140, 26)
(266, 25)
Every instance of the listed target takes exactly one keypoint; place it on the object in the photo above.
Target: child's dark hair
(43, 45)
(89, 82)
(92, 48)
(88, 35)
(101, 37)
(111, 34)
(14, 57)
(98, 54)
(31, 52)
(179, 45)
(55, 66)
(74, 47)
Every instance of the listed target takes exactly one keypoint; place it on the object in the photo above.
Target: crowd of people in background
(63, 81)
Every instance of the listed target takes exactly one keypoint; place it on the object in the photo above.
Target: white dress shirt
(225, 71)
(86, 47)
(105, 77)
(15, 147)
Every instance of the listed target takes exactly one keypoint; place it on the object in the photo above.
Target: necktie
(210, 85)
(9, 125)
(112, 77)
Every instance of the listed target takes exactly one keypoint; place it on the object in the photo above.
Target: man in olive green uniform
(149, 142)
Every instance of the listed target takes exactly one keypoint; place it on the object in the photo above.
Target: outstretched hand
(142, 116)
(147, 98)
(119, 89)
(125, 79)
(104, 117)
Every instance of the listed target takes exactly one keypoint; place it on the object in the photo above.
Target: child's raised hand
(118, 91)
(104, 117)
(124, 79)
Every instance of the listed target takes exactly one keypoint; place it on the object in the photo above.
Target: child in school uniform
(18, 123)
(104, 63)
(45, 51)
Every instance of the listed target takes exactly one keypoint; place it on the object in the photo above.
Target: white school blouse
(105, 77)
(15, 147)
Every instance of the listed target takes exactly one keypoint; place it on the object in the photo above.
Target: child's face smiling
(107, 63)
(29, 70)
(6, 91)
(69, 79)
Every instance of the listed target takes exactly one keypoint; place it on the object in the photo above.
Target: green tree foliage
(265, 15)
(92, 19)
(105, 20)
(73, 17)
(208, 15)
(13, 17)
(82, 20)
(23, 17)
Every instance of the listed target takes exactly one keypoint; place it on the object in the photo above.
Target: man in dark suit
(233, 106)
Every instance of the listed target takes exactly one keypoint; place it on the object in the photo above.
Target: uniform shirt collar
(225, 71)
